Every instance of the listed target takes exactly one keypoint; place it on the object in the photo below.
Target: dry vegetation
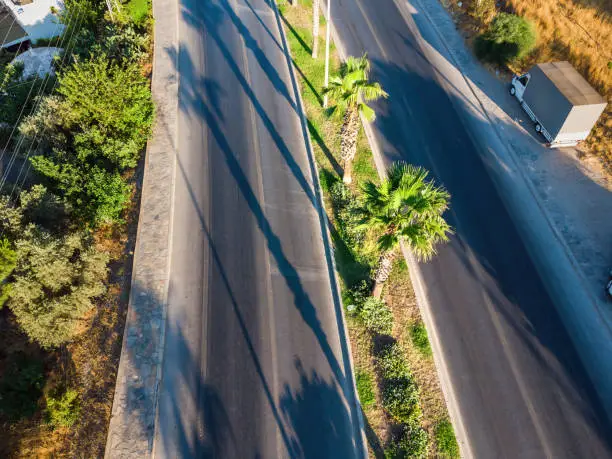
(579, 31)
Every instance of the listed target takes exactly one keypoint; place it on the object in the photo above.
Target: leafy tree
(351, 90)
(405, 206)
(8, 260)
(93, 130)
(508, 37)
(57, 272)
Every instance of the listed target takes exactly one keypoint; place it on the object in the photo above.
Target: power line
(35, 107)
(67, 53)
(24, 106)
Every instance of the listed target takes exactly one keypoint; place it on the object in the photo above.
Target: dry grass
(579, 31)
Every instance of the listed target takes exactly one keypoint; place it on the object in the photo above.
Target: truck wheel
(512, 90)
(538, 127)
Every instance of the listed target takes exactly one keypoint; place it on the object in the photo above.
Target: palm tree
(404, 207)
(350, 91)
(315, 27)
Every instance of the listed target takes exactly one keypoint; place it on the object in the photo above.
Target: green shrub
(445, 439)
(92, 132)
(63, 410)
(418, 334)
(509, 37)
(139, 11)
(365, 388)
(347, 213)
(20, 387)
(400, 394)
(391, 361)
(412, 443)
(376, 316)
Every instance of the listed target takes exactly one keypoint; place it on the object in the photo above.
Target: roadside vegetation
(71, 145)
(572, 30)
(396, 381)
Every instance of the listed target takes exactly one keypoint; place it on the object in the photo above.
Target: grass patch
(418, 335)
(138, 10)
(445, 439)
(365, 388)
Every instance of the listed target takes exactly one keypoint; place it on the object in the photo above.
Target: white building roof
(36, 18)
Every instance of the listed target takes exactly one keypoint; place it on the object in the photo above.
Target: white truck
(562, 104)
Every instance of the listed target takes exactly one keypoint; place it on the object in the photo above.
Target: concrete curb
(554, 260)
(132, 422)
(323, 217)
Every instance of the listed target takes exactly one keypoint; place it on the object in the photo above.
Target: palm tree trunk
(315, 27)
(348, 141)
(385, 264)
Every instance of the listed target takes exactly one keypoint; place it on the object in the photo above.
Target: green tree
(404, 207)
(57, 271)
(8, 260)
(351, 90)
(93, 131)
(508, 37)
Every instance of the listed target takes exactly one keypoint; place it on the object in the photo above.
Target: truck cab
(518, 85)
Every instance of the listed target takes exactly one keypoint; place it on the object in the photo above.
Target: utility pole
(327, 40)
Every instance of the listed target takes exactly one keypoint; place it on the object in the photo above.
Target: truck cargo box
(563, 101)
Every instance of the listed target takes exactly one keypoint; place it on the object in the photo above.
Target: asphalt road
(521, 390)
(255, 359)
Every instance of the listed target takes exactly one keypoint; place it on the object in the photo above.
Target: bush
(63, 410)
(93, 131)
(445, 439)
(508, 37)
(400, 395)
(347, 214)
(365, 388)
(376, 316)
(418, 334)
(20, 387)
(412, 443)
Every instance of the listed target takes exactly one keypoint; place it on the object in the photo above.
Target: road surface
(255, 361)
(521, 390)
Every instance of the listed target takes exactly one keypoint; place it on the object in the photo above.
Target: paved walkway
(134, 408)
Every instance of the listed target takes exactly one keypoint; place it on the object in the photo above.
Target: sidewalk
(562, 209)
(130, 433)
